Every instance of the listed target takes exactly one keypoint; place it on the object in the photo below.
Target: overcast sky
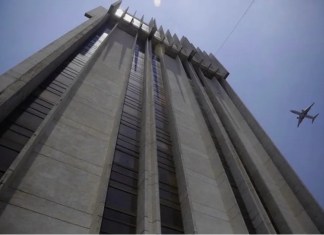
(275, 57)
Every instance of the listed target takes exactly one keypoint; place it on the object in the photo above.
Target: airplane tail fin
(313, 119)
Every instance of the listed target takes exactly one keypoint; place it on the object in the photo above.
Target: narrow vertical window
(121, 200)
(171, 219)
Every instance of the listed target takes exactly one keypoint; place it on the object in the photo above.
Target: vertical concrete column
(280, 201)
(207, 201)
(257, 213)
(297, 186)
(117, 108)
(186, 204)
(148, 186)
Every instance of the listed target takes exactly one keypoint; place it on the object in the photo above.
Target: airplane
(303, 114)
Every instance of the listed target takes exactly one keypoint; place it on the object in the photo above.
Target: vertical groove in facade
(21, 124)
(265, 217)
(274, 221)
(197, 87)
(171, 218)
(252, 205)
(120, 210)
(233, 184)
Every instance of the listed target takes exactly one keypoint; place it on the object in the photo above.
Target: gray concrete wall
(62, 186)
(207, 202)
(285, 209)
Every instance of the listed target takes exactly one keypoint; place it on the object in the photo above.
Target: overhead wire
(236, 25)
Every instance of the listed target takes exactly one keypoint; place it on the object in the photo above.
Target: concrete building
(120, 127)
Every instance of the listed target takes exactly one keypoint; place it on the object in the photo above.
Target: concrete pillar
(114, 103)
(205, 195)
(148, 197)
(257, 213)
(297, 186)
(282, 205)
(186, 205)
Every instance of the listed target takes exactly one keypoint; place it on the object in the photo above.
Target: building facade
(121, 127)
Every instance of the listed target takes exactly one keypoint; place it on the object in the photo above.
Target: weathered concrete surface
(60, 186)
(205, 193)
(36, 221)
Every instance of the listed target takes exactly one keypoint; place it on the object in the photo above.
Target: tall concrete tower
(120, 127)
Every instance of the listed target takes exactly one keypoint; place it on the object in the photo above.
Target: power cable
(238, 22)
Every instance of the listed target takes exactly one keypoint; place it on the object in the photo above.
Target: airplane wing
(295, 112)
(309, 107)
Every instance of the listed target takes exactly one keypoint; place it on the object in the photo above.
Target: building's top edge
(183, 46)
(97, 12)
